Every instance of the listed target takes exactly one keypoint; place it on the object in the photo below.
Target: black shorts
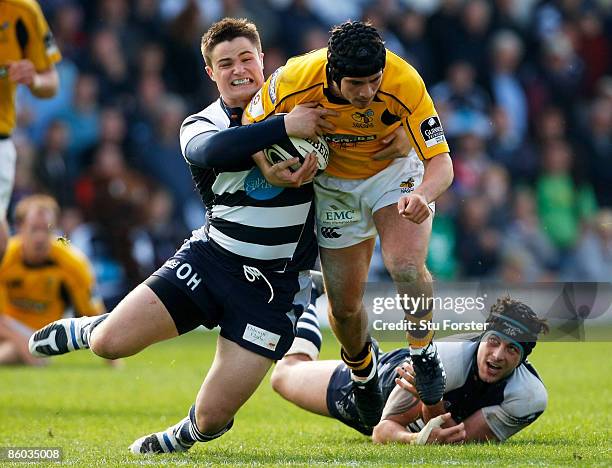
(256, 309)
(340, 398)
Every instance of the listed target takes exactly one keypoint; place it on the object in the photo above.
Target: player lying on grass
(492, 391)
(41, 278)
(246, 270)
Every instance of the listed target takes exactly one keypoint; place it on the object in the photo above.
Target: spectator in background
(114, 198)
(465, 103)
(108, 61)
(564, 201)
(495, 186)
(505, 148)
(82, 119)
(297, 19)
(508, 93)
(593, 256)
(471, 162)
(594, 47)
(561, 72)
(160, 236)
(478, 243)
(410, 27)
(161, 157)
(471, 43)
(50, 166)
(525, 234)
(597, 144)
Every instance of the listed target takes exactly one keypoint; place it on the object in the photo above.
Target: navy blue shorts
(341, 400)
(256, 309)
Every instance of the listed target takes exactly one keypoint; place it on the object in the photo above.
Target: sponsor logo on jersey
(272, 85)
(260, 337)
(255, 108)
(432, 132)
(344, 141)
(256, 186)
(363, 119)
(330, 232)
(407, 185)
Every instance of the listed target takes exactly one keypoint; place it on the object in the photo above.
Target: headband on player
(355, 49)
(514, 331)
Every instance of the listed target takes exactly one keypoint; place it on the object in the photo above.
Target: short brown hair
(35, 201)
(228, 29)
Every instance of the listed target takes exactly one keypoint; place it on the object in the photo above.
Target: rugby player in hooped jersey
(492, 391)
(386, 122)
(246, 270)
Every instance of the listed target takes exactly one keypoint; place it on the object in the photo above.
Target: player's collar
(234, 113)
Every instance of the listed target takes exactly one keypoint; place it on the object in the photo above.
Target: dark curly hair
(355, 49)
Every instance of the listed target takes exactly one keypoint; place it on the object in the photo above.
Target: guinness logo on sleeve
(431, 131)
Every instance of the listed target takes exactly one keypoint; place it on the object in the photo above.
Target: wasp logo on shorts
(363, 119)
(185, 272)
(432, 132)
(330, 232)
(407, 186)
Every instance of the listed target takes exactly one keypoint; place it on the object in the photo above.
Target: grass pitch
(94, 412)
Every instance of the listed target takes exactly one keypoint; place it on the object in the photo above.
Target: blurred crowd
(524, 90)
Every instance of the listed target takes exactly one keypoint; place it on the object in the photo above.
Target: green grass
(95, 412)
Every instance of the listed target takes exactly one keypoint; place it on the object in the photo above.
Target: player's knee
(408, 272)
(279, 377)
(345, 310)
(105, 344)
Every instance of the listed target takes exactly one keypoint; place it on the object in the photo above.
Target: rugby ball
(294, 147)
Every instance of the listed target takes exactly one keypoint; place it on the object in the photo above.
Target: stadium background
(524, 90)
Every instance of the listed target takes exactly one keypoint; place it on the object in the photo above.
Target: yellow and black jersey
(401, 100)
(24, 34)
(38, 295)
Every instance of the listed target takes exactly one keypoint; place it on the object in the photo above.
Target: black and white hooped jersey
(264, 226)
(508, 406)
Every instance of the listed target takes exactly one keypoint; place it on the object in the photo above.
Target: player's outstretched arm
(389, 430)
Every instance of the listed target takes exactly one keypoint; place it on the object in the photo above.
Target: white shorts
(344, 207)
(8, 158)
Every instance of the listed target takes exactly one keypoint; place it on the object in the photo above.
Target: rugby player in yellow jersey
(40, 277)
(27, 56)
(374, 184)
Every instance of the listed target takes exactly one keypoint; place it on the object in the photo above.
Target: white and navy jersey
(264, 226)
(508, 406)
